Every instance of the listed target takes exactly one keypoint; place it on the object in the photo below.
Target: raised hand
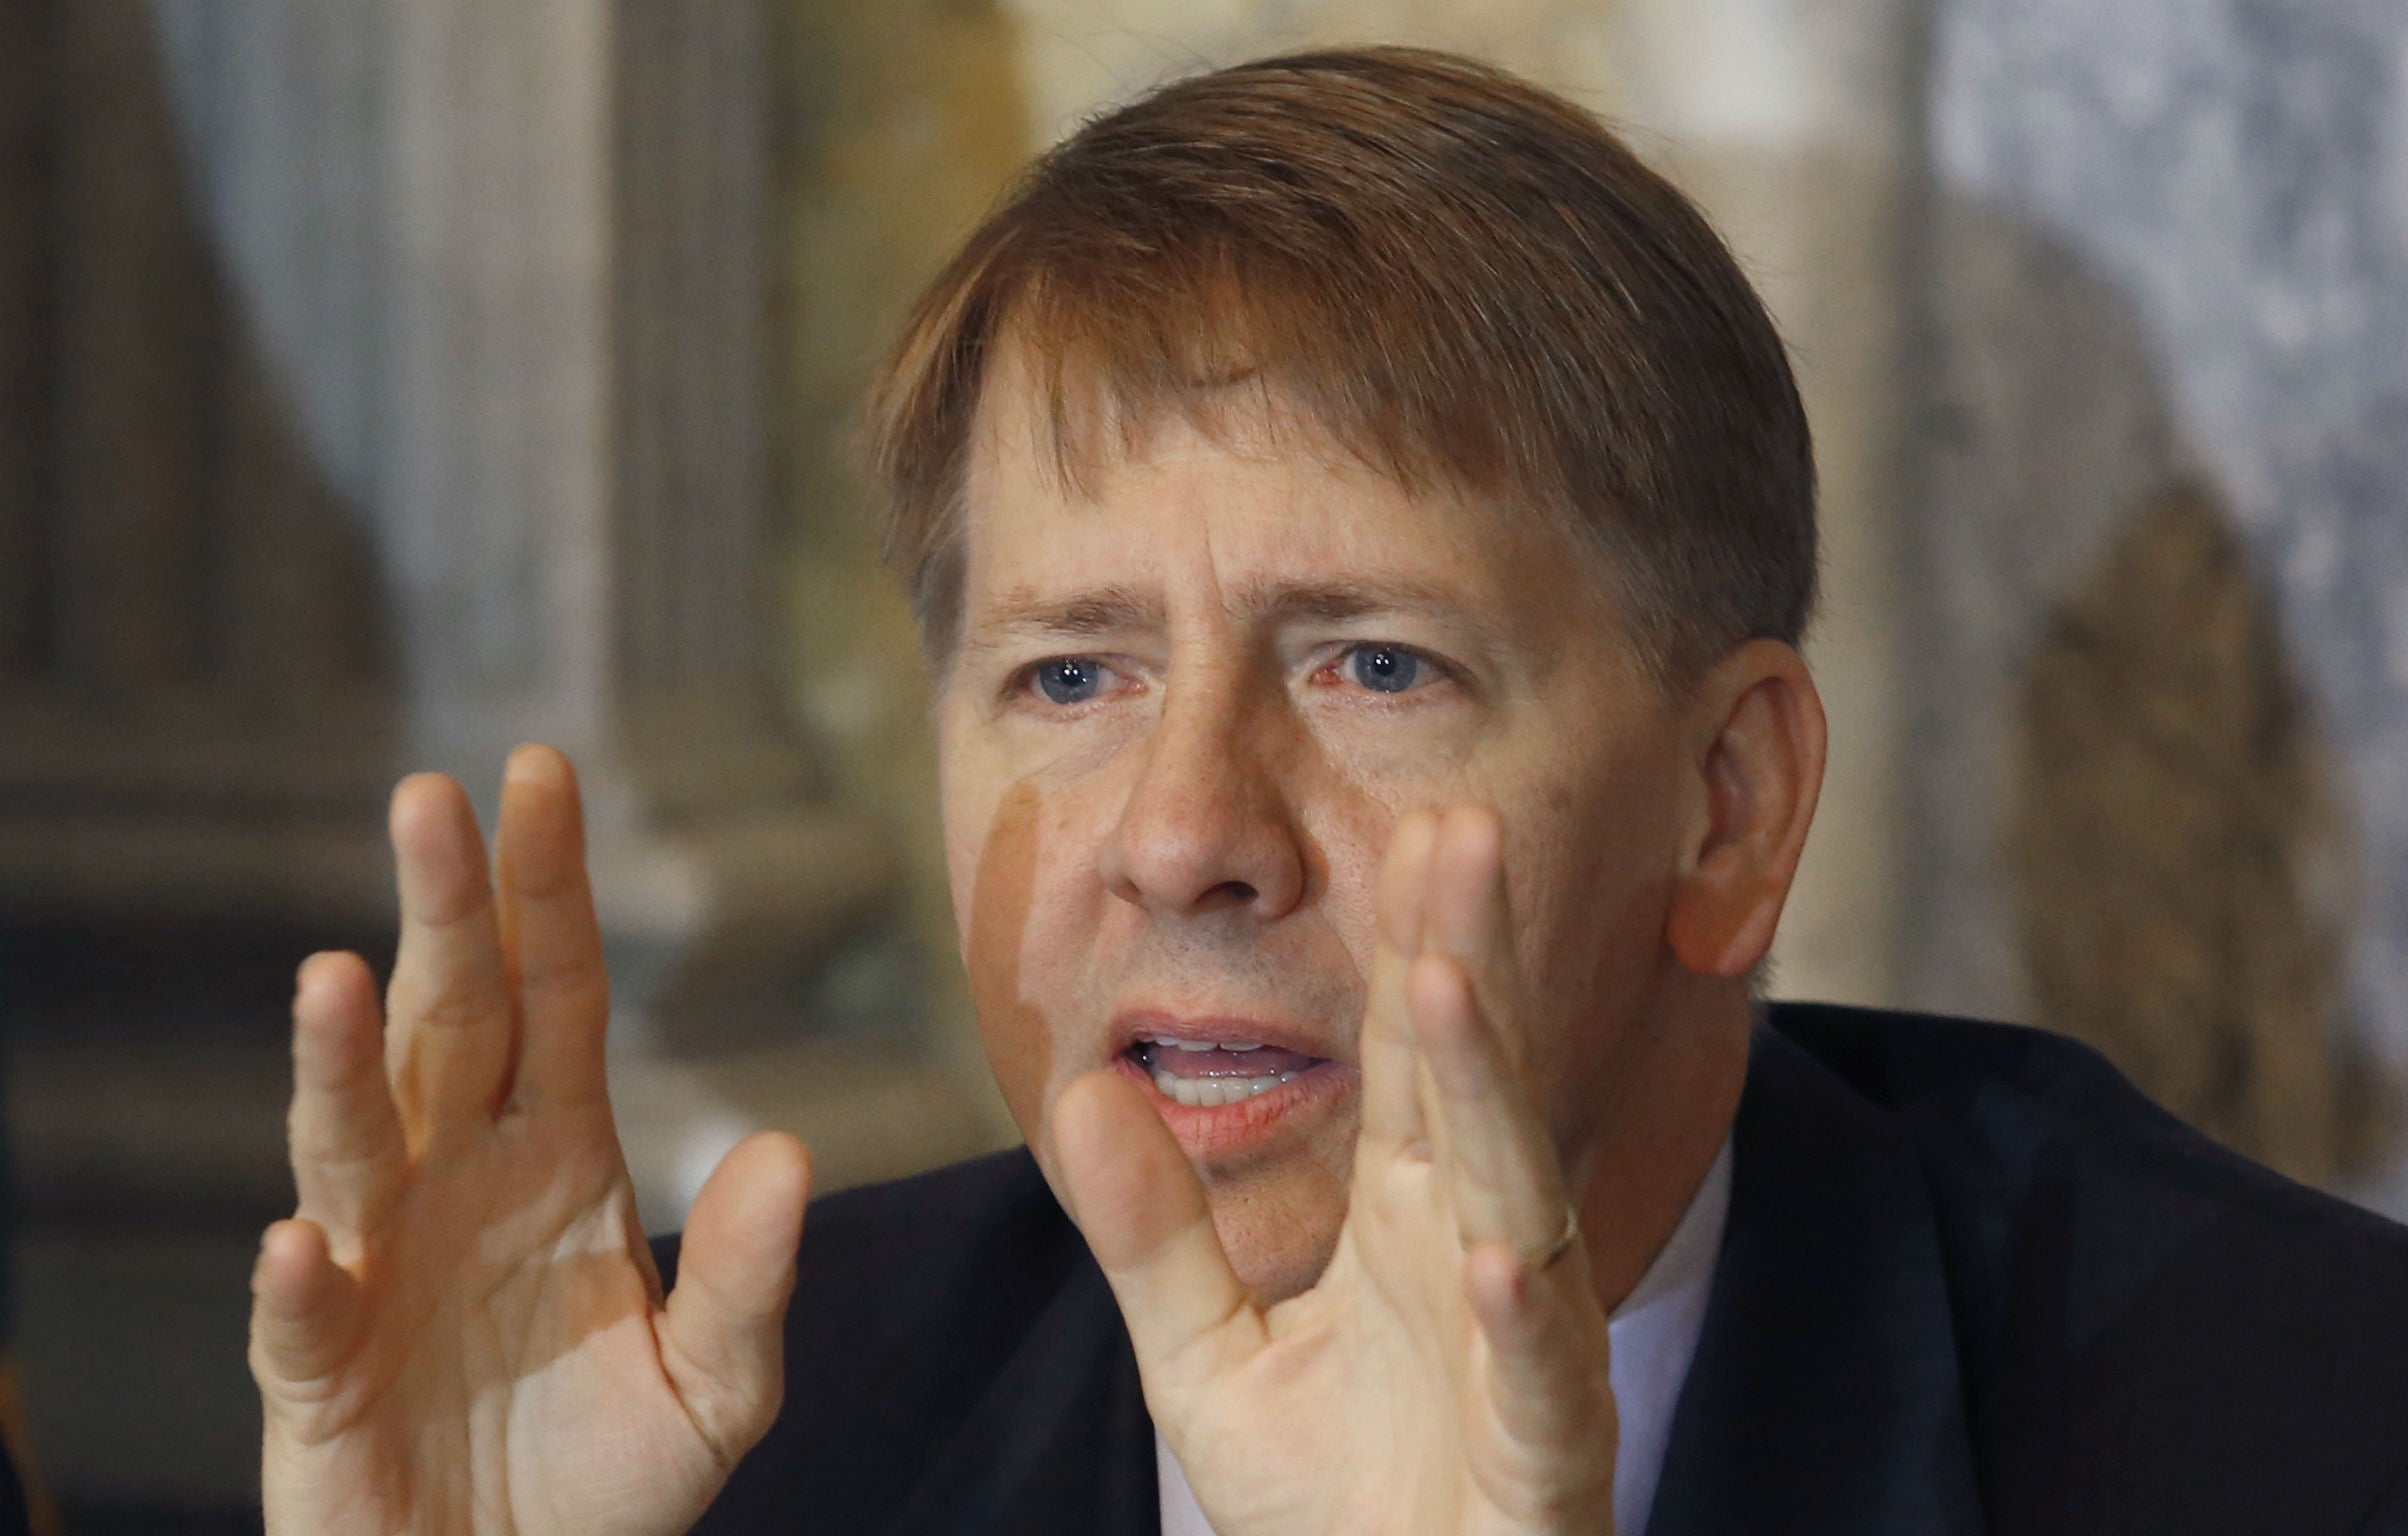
(461, 1329)
(1448, 1373)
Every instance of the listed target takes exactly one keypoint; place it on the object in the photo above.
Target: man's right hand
(461, 1329)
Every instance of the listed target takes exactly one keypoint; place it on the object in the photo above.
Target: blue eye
(1070, 679)
(1386, 668)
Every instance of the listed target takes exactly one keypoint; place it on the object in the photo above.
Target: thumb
(722, 1337)
(1144, 1214)
(304, 1310)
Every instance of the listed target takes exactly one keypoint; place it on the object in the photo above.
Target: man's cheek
(997, 932)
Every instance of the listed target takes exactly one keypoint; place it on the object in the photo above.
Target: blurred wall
(2159, 557)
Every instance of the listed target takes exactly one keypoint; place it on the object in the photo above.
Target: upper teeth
(1213, 1092)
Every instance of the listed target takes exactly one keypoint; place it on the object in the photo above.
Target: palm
(538, 1336)
(464, 1331)
(1433, 1380)
(1331, 1431)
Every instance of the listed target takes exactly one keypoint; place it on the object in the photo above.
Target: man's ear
(1757, 749)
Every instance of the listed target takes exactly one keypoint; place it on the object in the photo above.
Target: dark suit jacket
(1972, 1281)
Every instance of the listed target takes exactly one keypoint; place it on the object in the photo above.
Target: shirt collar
(1654, 1334)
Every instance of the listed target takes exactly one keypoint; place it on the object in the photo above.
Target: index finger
(1500, 1164)
(1500, 1161)
(1391, 1062)
(1464, 913)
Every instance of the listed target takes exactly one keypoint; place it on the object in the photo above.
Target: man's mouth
(1206, 1074)
(1221, 1090)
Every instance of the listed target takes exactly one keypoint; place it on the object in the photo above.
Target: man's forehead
(1271, 535)
(1070, 529)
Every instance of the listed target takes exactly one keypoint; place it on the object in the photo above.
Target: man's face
(1188, 707)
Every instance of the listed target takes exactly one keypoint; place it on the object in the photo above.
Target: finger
(449, 1021)
(1550, 1375)
(550, 934)
(1464, 912)
(344, 1136)
(1392, 1116)
(1499, 1163)
(304, 1314)
(1144, 1213)
(723, 1337)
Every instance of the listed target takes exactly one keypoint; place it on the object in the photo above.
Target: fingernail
(525, 763)
(303, 973)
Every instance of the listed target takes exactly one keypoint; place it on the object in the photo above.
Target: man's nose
(1209, 824)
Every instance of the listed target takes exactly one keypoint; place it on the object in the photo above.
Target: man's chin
(1278, 1216)
(1278, 1255)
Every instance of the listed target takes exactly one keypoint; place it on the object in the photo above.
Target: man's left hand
(1447, 1374)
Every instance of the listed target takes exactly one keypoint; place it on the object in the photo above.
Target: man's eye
(1070, 679)
(1386, 668)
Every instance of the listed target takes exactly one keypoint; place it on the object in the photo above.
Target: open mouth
(1224, 1089)
(1207, 1074)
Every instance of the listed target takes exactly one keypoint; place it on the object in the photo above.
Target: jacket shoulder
(1999, 1109)
(2148, 1324)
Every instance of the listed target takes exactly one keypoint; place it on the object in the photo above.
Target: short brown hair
(1452, 272)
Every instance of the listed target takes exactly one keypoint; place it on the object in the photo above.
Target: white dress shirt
(1654, 1336)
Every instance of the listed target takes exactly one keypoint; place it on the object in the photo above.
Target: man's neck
(1663, 1142)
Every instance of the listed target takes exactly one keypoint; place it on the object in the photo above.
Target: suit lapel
(1059, 1443)
(1824, 1395)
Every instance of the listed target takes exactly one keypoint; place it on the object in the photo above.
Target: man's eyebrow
(1338, 601)
(1473, 623)
(1074, 615)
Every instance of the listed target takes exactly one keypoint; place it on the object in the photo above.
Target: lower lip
(1224, 1130)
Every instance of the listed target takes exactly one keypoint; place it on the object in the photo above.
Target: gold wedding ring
(1545, 1257)
(1561, 1246)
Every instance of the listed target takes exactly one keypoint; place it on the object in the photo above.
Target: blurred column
(150, 746)
(25, 145)
(397, 392)
(574, 501)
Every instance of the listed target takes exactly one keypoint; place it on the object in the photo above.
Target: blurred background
(386, 381)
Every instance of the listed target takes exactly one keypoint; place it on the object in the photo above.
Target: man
(1362, 524)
